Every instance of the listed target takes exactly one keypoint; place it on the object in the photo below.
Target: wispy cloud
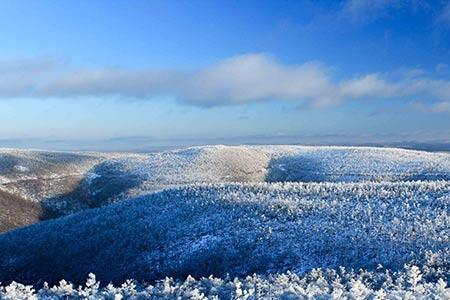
(236, 80)
(441, 107)
(363, 11)
(444, 15)
(359, 10)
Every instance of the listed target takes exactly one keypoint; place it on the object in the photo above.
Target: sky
(138, 75)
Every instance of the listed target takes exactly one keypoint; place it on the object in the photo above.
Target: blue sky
(142, 74)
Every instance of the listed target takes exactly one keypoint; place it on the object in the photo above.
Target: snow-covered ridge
(104, 177)
(237, 164)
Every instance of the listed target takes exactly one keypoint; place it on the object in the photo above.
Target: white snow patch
(21, 169)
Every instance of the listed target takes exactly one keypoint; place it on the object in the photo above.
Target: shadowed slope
(16, 212)
(238, 229)
(34, 175)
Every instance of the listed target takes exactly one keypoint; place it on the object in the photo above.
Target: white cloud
(241, 79)
(368, 86)
(256, 77)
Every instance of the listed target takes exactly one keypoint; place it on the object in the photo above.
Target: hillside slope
(16, 212)
(239, 229)
(64, 183)
(35, 175)
(131, 175)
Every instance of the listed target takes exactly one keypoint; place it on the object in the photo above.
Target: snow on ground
(38, 175)
(317, 284)
(131, 175)
(279, 212)
(286, 163)
(238, 229)
(34, 175)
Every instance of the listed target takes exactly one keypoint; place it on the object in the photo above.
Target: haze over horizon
(114, 76)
